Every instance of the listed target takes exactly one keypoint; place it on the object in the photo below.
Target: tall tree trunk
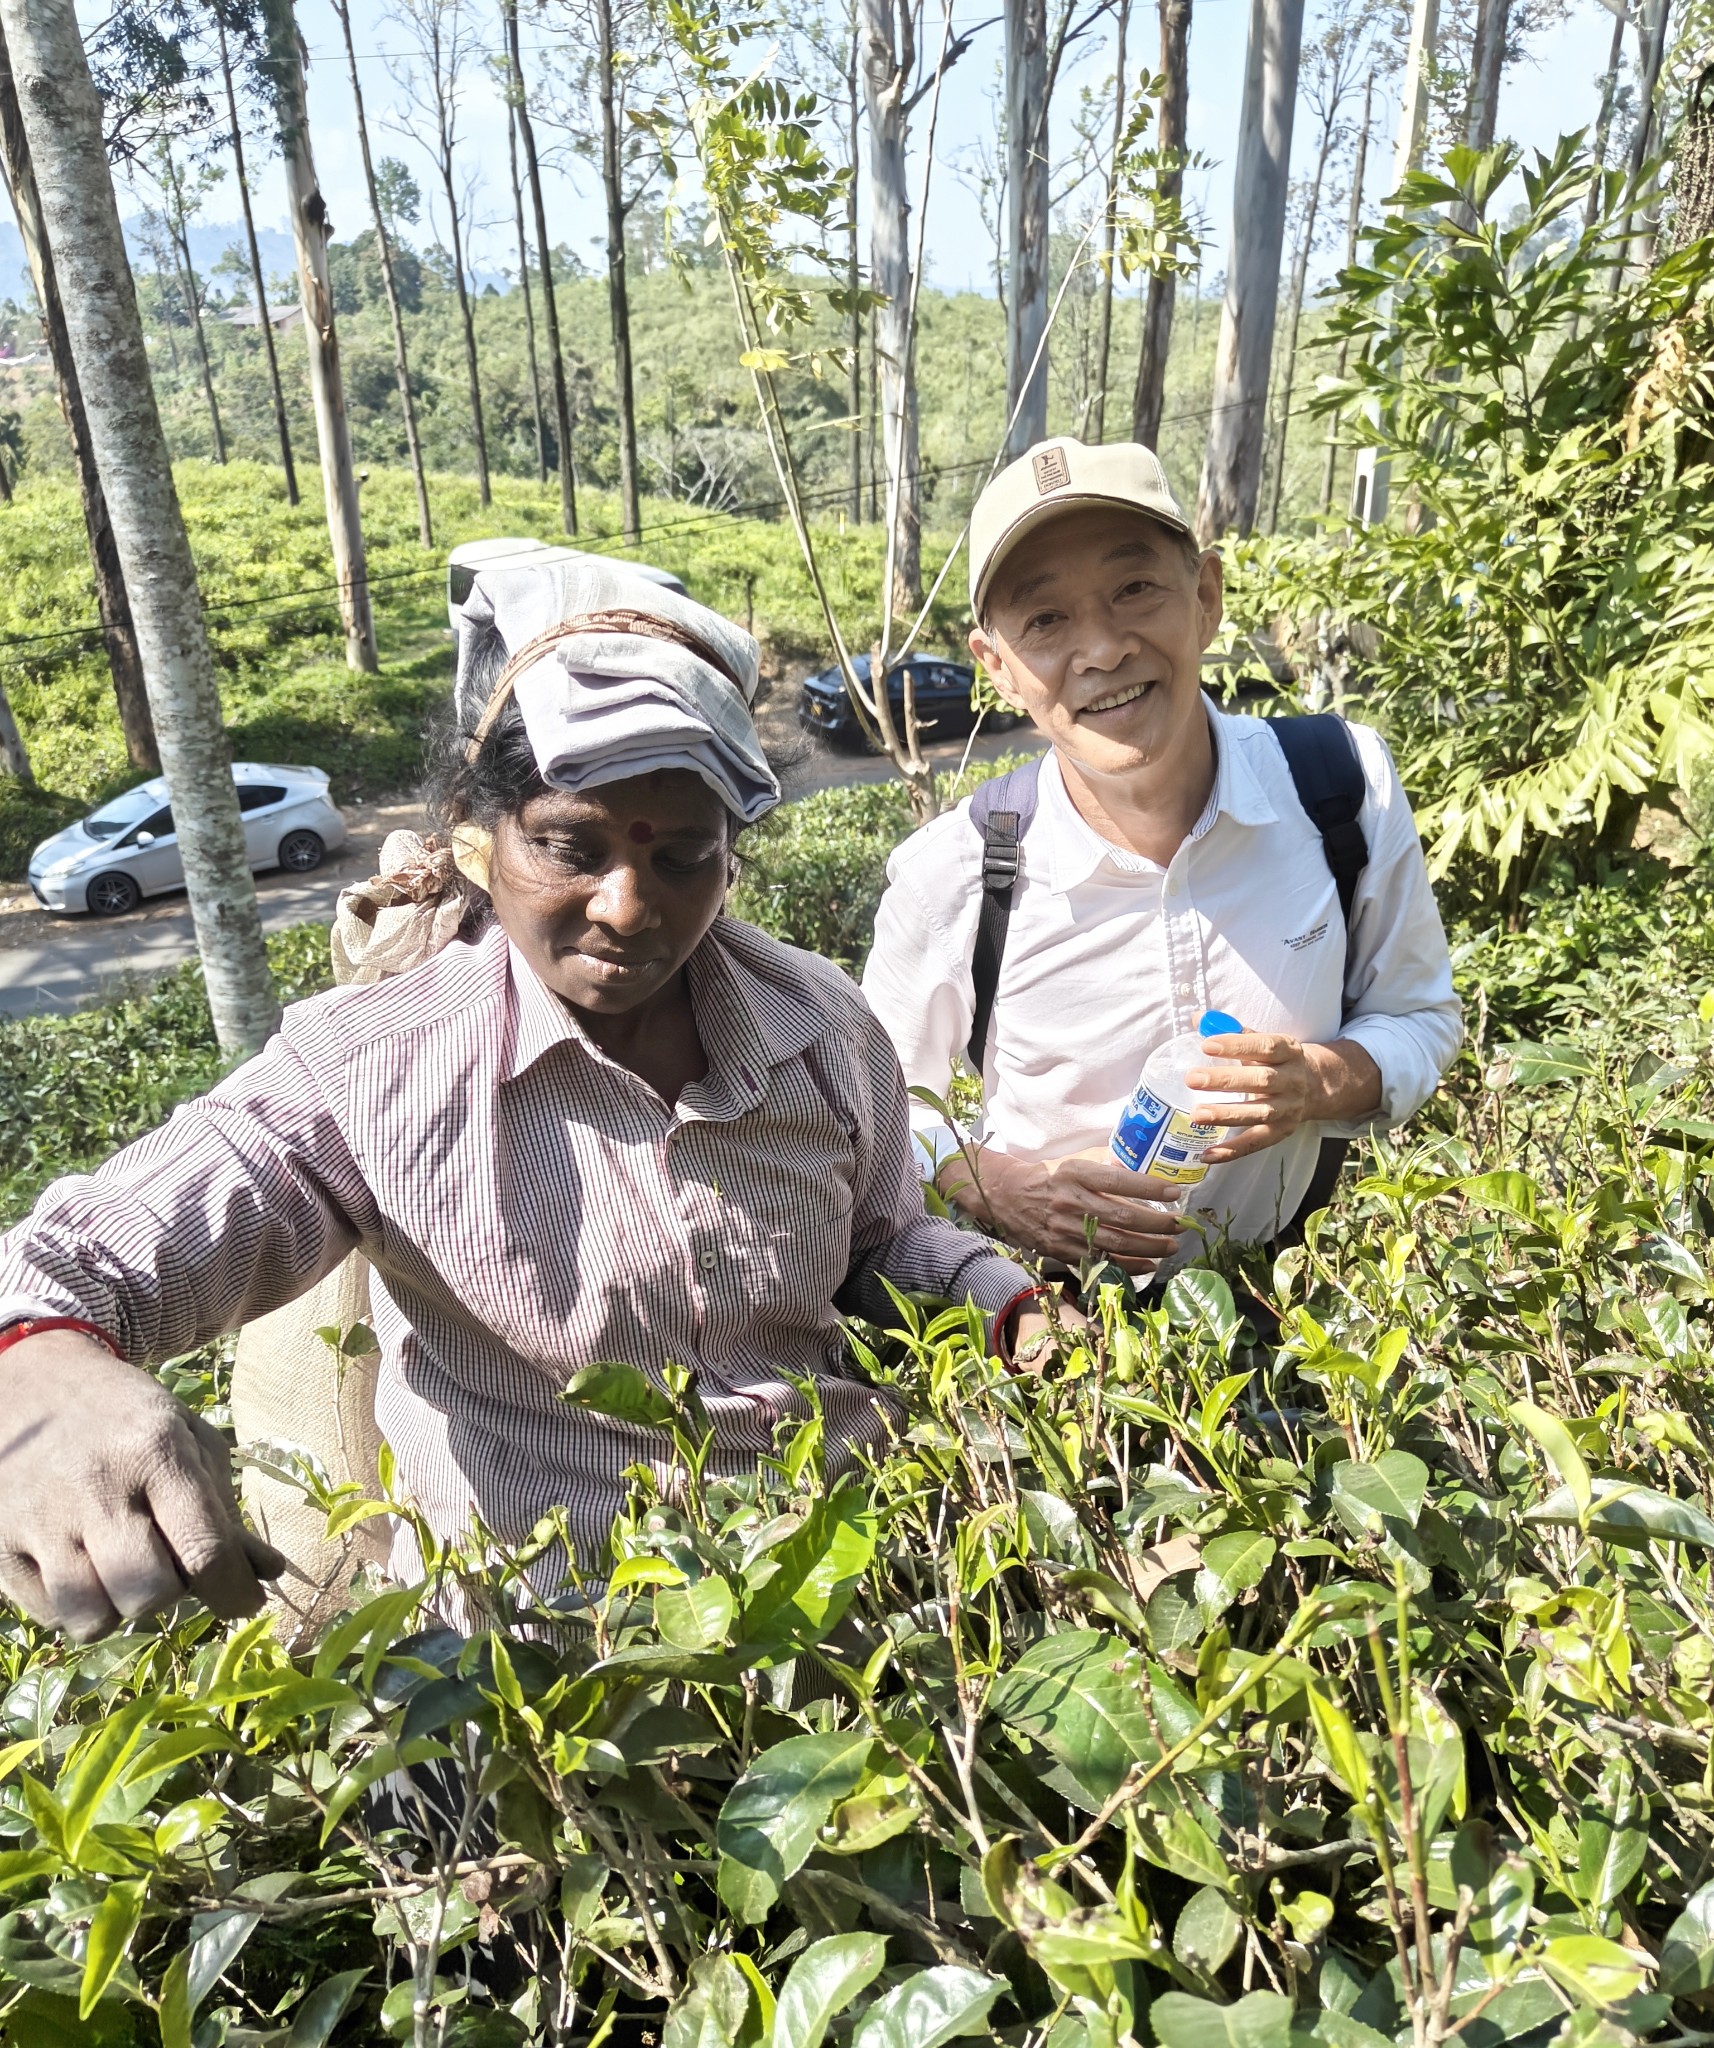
(118, 631)
(1604, 119)
(544, 253)
(1487, 61)
(1645, 137)
(390, 284)
(1294, 318)
(1353, 227)
(853, 266)
(1170, 131)
(1027, 222)
(62, 121)
(529, 295)
(888, 62)
(1371, 471)
(14, 755)
(467, 322)
(618, 291)
(1109, 227)
(193, 306)
(310, 231)
(1232, 466)
(256, 277)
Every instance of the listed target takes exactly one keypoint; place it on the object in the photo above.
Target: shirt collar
(748, 1020)
(1075, 850)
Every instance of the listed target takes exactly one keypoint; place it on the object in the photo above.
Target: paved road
(67, 963)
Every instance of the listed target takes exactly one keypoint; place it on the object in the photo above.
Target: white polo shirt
(1109, 954)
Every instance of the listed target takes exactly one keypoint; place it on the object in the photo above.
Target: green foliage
(1534, 626)
(286, 691)
(900, 1757)
(73, 1089)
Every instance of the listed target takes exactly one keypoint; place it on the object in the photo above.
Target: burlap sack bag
(292, 1390)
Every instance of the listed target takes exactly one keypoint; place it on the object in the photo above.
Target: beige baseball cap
(1054, 475)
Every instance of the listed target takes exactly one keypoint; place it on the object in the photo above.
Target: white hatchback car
(108, 862)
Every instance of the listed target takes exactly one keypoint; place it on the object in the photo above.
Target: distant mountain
(209, 242)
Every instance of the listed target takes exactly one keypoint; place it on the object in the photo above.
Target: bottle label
(1151, 1137)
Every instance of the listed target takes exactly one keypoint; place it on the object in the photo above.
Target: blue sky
(1554, 88)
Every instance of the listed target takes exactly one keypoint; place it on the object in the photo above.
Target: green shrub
(814, 871)
(73, 1089)
(1413, 1748)
(285, 688)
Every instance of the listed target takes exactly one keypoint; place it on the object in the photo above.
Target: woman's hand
(1287, 1084)
(1045, 1206)
(115, 1501)
(1035, 1331)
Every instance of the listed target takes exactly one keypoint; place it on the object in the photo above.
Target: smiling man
(1161, 861)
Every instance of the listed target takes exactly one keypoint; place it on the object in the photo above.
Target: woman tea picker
(608, 1122)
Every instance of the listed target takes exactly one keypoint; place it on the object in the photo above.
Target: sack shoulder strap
(1002, 810)
(1327, 773)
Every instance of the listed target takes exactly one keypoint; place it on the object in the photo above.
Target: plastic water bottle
(1163, 1129)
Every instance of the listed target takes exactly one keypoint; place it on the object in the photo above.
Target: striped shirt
(530, 1207)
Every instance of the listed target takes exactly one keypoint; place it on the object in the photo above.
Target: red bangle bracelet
(1002, 1344)
(36, 1326)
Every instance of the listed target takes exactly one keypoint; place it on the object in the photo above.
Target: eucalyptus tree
(433, 80)
(382, 215)
(1035, 53)
(564, 453)
(1171, 125)
(898, 75)
(1232, 465)
(112, 601)
(1353, 228)
(1328, 79)
(61, 117)
(243, 25)
(1027, 221)
(608, 72)
(525, 287)
(1097, 426)
(283, 69)
(180, 203)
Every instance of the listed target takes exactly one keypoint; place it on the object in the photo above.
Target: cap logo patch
(1052, 470)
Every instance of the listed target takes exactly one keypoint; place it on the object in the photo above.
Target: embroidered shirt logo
(1052, 470)
(1309, 938)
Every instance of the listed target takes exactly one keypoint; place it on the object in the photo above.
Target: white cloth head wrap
(604, 704)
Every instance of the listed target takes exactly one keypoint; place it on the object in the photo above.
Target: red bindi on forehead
(641, 833)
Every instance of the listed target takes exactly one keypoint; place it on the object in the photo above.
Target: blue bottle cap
(1216, 1024)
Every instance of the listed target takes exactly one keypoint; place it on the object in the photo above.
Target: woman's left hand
(1034, 1333)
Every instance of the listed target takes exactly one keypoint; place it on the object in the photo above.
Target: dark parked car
(942, 697)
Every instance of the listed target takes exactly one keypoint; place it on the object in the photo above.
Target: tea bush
(1414, 1748)
(1351, 1687)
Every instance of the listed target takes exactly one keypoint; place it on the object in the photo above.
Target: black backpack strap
(1002, 810)
(1327, 774)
